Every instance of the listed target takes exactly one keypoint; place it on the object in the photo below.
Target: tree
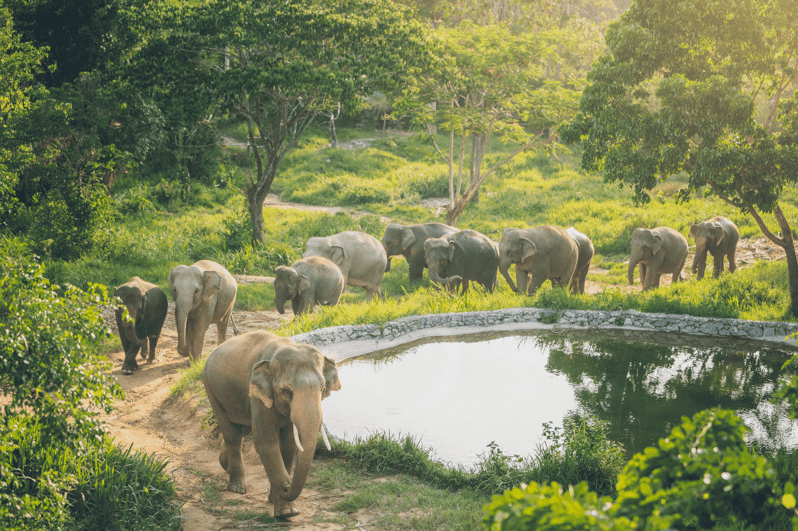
(20, 63)
(281, 64)
(703, 88)
(488, 81)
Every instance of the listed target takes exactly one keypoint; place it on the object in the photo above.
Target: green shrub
(701, 474)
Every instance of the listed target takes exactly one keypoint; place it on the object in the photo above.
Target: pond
(456, 395)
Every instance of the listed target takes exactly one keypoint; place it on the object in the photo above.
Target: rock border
(348, 341)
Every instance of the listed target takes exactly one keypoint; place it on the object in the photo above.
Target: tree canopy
(700, 88)
(281, 64)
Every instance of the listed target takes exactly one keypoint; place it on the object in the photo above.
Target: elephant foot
(128, 369)
(282, 508)
(239, 487)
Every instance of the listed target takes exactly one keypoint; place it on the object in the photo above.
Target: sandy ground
(153, 422)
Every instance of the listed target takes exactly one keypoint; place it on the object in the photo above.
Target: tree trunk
(787, 243)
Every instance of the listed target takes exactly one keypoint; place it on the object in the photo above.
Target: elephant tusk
(325, 439)
(296, 439)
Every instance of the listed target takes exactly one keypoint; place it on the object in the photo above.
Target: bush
(701, 474)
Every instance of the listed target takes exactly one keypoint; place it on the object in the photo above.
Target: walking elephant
(462, 257)
(359, 256)
(659, 251)
(719, 237)
(584, 257)
(204, 294)
(272, 387)
(539, 254)
(147, 307)
(408, 241)
(309, 281)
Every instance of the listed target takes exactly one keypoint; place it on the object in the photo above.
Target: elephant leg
(643, 270)
(521, 278)
(718, 264)
(282, 508)
(465, 284)
(416, 270)
(145, 349)
(196, 335)
(221, 327)
(732, 264)
(273, 449)
(535, 283)
(230, 454)
(130, 365)
(153, 343)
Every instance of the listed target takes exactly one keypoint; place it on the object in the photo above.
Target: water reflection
(459, 394)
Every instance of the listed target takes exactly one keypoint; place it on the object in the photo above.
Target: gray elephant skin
(358, 255)
(147, 307)
(659, 251)
(460, 258)
(539, 254)
(271, 387)
(717, 236)
(306, 283)
(204, 294)
(408, 241)
(585, 256)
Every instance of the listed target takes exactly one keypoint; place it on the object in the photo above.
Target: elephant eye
(287, 392)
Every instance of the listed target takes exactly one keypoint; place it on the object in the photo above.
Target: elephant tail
(233, 322)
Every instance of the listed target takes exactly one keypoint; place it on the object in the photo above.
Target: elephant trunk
(181, 316)
(434, 275)
(130, 332)
(307, 422)
(700, 259)
(633, 260)
(279, 302)
(504, 268)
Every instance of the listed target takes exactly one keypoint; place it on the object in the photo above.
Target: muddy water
(458, 395)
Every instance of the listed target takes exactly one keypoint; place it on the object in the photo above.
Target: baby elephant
(719, 237)
(147, 306)
(659, 251)
(309, 281)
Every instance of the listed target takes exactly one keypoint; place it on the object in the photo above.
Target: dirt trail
(153, 422)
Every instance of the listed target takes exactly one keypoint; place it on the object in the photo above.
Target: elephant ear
(528, 248)
(260, 383)
(331, 381)
(693, 231)
(302, 284)
(212, 282)
(656, 244)
(717, 233)
(408, 238)
(337, 255)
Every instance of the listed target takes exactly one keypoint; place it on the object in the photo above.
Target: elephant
(204, 294)
(584, 257)
(360, 257)
(147, 306)
(408, 241)
(309, 281)
(659, 251)
(719, 237)
(461, 257)
(272, 387)
(539, 254)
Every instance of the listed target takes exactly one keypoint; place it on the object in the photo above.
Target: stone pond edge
(347, 341)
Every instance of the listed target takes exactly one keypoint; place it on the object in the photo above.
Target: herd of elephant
(270, 386)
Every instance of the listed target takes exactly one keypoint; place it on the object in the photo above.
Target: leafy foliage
(702, 473)
(279, 65)
(697, 88)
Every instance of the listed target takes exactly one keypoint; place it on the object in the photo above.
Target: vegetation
(702, 89)
(58, 468)
(110, 167)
